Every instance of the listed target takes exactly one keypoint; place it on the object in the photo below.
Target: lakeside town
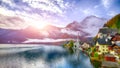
(104, 49)
(104, 52)
(59, 33)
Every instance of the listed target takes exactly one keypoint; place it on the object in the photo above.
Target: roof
(116, 37)
(109, 55)
(103, 41)
(108, 30)
(110, 64)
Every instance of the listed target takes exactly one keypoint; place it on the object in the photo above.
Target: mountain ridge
(114, 22)
(51, 31)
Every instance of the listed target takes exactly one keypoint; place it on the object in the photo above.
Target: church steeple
(78, 36)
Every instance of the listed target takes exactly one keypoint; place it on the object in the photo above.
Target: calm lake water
(42, 56)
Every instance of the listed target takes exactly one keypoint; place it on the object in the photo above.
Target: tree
(96, 54)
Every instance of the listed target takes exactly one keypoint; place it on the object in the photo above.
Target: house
(103, 40)
(102, 44)
(85, 45)
(117, 49)
(111, 51)
(110, 57)
(116, 39)
(106, 30)
(108, 64)
(77, 47)
(106, 33)
(102, 49)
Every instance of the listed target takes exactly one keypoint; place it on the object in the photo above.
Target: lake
(40, 56)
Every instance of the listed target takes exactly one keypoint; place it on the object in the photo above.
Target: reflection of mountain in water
(44, 57)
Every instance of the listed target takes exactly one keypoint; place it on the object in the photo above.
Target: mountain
(92, 24)
(111, 27)
(11, 36)
(114, 22)
(89, 26)
(75, 26)
(93, 21)
(87, 29)
(21, 35)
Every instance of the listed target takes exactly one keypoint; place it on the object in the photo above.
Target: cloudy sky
(60, 12)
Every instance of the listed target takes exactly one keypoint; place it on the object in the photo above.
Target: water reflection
(44, 57)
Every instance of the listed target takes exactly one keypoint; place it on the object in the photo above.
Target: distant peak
(74, 22)
(91, 16)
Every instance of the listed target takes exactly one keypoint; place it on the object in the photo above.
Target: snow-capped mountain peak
(93, 21)
(92, 24)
